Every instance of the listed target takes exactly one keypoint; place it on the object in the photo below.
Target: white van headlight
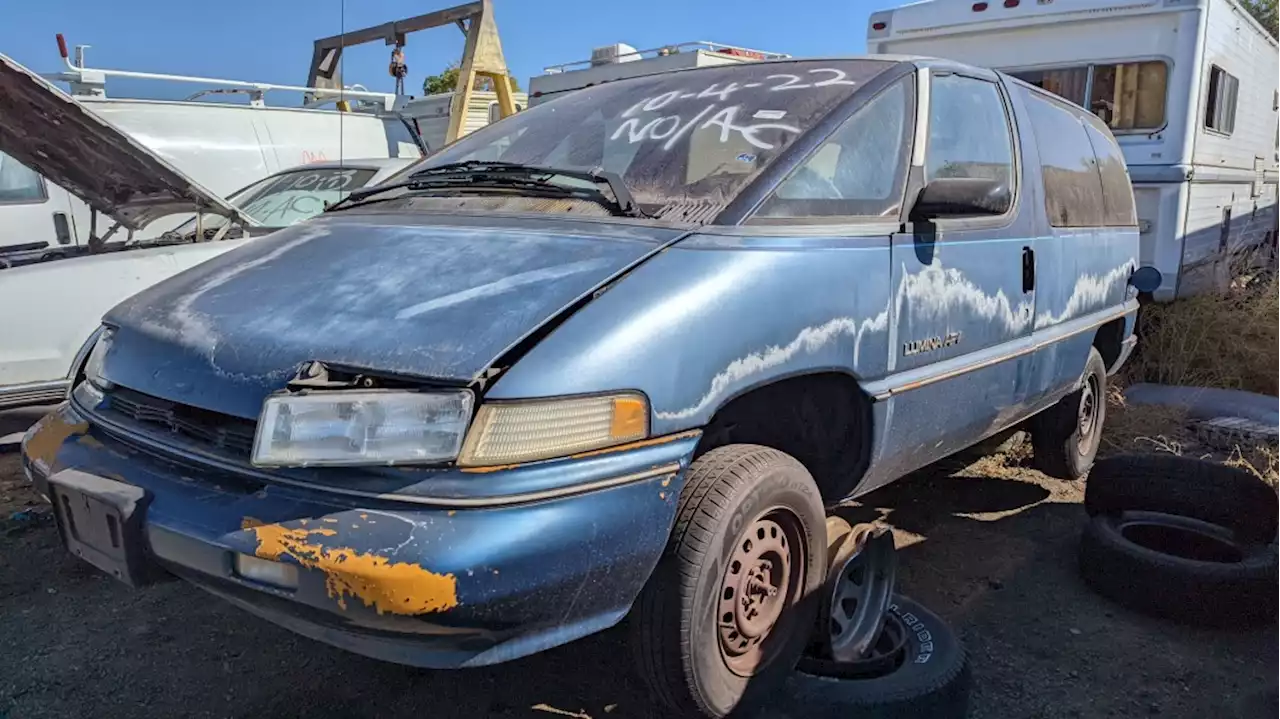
(380, 427)
(528, 430)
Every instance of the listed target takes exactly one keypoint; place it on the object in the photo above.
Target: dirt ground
(989, 548)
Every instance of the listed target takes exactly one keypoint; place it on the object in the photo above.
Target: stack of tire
(1185, 539)
(917, 669)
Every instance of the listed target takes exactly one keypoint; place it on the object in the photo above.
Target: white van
(224, 146)
(1189, 88)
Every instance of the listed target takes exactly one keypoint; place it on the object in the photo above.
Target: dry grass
(1143, 427)
(1260, 461)
(1229, 340)
(1154, 428)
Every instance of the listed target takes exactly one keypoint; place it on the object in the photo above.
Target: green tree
(447, 81)
(1265, 12)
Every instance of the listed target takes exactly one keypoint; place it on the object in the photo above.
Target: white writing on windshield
(640, 125)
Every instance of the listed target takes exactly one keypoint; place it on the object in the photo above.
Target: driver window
(860, 171)
(968, 131)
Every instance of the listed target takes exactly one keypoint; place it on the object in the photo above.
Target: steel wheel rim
(887, 653)
(859, 591)
(763, 577)
(1087, 417)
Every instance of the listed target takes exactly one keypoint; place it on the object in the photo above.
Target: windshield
(675, 137)
(288, 197)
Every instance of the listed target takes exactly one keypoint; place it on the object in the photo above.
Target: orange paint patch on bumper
(43, 445)
(389, 587)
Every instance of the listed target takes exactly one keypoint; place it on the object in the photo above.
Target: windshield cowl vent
(693, 211)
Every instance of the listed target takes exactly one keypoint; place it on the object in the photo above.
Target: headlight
(514, 432)
(93, 366)
(353, 428)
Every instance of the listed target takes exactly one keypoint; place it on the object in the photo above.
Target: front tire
(729, 607)
(1065, 437)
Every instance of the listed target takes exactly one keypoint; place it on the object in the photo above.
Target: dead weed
(1143, 427)
(1229, 340)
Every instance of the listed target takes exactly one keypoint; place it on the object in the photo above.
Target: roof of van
(919, 60)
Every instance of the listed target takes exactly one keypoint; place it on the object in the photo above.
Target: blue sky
(270, 40)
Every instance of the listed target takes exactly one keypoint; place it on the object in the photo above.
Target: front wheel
(729, 607)
(1065, 437)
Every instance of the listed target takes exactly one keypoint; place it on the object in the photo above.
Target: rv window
(1072, 186)
(1066, 82)
(859, 172)
(968, 131)
(1129, 96)
(1220, 110)
(1117, 193)
(495, 112)
(18, 183)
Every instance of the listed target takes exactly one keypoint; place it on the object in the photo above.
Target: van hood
(47, 130)
(390, 294)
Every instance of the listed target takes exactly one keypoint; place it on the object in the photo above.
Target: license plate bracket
(100, 521)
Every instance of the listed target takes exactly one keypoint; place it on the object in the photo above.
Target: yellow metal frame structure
(481, 57)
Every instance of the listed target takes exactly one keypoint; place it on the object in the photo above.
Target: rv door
(35, 213)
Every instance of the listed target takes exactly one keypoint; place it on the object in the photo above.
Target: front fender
(715, 316)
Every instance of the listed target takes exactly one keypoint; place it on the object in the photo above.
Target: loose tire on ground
(1180, 568)
(1065, 437)
(929, 677)
(677, 633)
(1196, 488)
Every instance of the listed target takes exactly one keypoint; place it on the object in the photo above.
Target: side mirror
(1145, 279)
(961, 196)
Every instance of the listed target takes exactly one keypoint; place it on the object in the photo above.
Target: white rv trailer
(1189, 88)
(222, 145)
(614, 62)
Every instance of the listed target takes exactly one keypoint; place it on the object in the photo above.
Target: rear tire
(686, 630)
(1065, 437)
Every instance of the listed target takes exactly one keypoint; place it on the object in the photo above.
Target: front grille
(212, 429)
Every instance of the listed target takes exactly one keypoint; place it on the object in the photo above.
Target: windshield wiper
(484, 173)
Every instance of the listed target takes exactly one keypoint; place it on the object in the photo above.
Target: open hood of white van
(47, 130)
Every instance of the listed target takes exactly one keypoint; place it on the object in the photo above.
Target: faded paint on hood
(440, 300)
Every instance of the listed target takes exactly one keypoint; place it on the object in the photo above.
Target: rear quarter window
(1117, 192)
(1072, 185)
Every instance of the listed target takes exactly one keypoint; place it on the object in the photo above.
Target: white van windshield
(289, 197)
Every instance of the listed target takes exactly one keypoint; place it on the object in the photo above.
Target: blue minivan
(611, 356)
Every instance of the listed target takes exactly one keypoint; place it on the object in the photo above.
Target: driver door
(964, 307)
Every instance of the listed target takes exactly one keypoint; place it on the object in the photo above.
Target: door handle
(61, 229)
(1028, 269)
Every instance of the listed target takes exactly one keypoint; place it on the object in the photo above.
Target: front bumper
(429, 586)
